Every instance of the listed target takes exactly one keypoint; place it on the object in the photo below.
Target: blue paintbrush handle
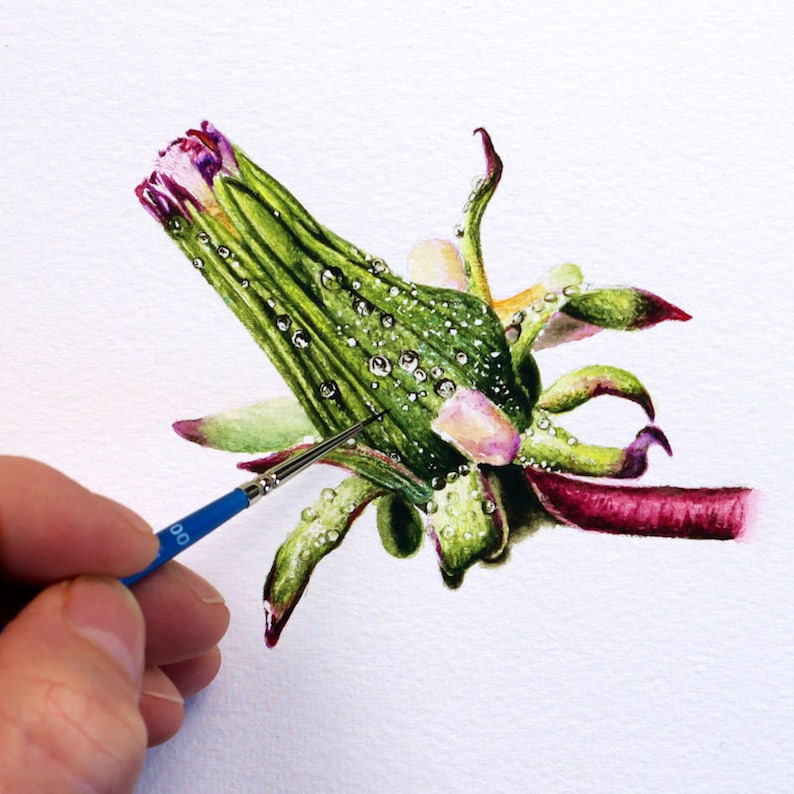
(185, 532)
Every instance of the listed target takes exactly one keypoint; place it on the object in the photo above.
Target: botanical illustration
(472, 450)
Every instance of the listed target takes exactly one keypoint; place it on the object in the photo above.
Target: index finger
(51, 527)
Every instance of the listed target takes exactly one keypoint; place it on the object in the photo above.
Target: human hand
(90, 672)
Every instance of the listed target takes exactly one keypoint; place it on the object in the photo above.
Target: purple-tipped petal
(636, 455)
(622, 308)
(664, 511)
(185, 172)
(190, 429)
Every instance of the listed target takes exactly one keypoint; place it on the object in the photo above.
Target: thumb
(70, 675)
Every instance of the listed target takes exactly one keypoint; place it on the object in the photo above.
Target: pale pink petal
(437, 263)
(477, 428)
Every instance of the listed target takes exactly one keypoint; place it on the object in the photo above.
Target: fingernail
(105, 613)
(200, 587)
(172, 697)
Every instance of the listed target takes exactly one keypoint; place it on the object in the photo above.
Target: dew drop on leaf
(379, 365)
(283, 322)
(408, 360)
(300, 338)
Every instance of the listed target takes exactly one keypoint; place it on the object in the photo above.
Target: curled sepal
(466, 522)
(399, 525)
(545, 445)
(471, 247)
(321, 528)
(575, 388)
(265, 426)
(622, 308)
(705, 513)
(359, 459)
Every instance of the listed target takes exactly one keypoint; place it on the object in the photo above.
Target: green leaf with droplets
(466, 524)
(399, 525)
(576, 388)
(321, 529)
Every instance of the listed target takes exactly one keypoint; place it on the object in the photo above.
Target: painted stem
(664, 511)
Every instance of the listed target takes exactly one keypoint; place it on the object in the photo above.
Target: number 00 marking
(182, 537)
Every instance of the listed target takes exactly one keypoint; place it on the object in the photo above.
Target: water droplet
(309, 514)
(571, 289)
(394, 291)
(408, 360)
(379, 266)
(300, 338)
(445, 388)
(412, 396)
(543, 423)
(448, 532)
(550, 297)
(349, 507)
(379, 365)
(364, 308)
(572, 442)
(283, 322)
(328, 389)
(518, 318)
(463, 469)
(245, 283)
(175, 224)
(436, 372)
(461, 357)
(451, 476)
(328, 494)
(467, 536)
(431, 507)
(512, 334)
(331, 278)
(452, 498)
(395, 457)
(420, 376)
(276, 214)
(387, 320)
(459, 231)
(478, 321)
(552, 431)
(351, 342)
(437, 483)
(203, 238)
(488, 506)
(374, 384)
(198, 263)
(223, 252)
(333, 535)
(356, 284)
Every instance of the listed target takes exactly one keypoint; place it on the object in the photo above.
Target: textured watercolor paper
(647, 145)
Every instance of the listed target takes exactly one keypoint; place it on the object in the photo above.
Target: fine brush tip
(370, 419)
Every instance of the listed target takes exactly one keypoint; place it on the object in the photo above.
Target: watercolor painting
(472, 451)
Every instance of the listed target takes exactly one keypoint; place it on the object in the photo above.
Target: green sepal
(399, 525)
(470, 245)
(622, 308)
(322, 527)
(547, 446)
(466, 523)
(262, 427)
(576, 388)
